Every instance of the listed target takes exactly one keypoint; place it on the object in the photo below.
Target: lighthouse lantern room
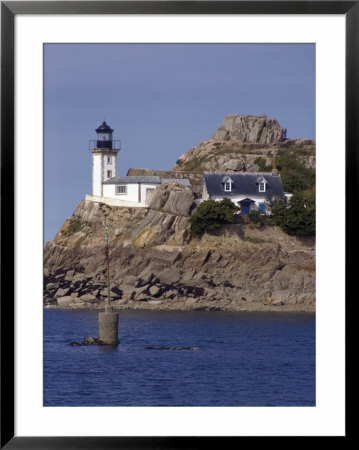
(104, 155)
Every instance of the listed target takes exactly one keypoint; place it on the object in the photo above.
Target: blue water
(243, 359)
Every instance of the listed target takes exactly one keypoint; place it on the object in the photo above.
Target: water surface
(241, 359)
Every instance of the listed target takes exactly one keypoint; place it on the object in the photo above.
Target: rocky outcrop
(154, 264)
(243, 142)
(256, 129)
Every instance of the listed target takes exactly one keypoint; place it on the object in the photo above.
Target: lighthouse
(104, 157)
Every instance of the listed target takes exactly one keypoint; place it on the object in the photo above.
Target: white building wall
(114, 202)
(109, 190)
(236, 198)
(144, 188)
(135, 192)
(97, 174)
(109, 166)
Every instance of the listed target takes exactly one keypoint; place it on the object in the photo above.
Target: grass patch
(254, 240)
(74, 226)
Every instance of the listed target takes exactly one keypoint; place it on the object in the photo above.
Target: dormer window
(262, 185)
(227, 186)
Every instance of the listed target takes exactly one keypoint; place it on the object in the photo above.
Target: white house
(249, 191)
(107, 187)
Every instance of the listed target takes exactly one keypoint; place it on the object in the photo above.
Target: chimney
(274, 166)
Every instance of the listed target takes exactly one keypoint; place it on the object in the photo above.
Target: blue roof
(243, 183)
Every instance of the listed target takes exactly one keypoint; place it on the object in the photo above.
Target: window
(109, 159)
(121, 189)
(262, 186)
(262, 208)
(227, 186)
(109, 174)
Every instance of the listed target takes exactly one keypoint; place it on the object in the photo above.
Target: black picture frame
(9, 9)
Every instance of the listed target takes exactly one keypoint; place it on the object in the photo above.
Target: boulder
(173, 198)
(256, 129)
(88, 298)
(155, 290)
(62, 292)
(65, 301)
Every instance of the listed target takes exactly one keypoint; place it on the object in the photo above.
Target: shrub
(261, 163)
(295, 176)
(210, 215)
(73, 226)
(297, 218)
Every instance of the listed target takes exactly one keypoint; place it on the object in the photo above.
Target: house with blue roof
(249, 191)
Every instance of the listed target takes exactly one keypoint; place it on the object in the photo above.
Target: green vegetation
(74, 226)
(297, 219)
(257, 218)
(210, 215)
(261, 163)
(295, 176)
(194, 165)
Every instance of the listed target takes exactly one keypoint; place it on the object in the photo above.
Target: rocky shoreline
(154, 264)
(191, 305)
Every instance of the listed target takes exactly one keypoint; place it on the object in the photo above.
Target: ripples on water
(242, 359)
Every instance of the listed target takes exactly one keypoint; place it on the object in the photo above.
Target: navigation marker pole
(108, 320)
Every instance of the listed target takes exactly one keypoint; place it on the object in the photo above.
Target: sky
(161, 100)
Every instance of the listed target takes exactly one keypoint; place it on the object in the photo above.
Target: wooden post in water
(108, 320)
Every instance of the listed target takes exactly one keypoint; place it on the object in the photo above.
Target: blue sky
(161, 100)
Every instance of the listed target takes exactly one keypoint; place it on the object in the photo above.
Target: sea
(181, 358)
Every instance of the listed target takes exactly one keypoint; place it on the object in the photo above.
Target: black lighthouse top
(104, 136)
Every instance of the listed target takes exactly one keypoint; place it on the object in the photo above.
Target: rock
(78, 301)
(155, 302)
(277, 303)
(65, 301)
(104, 293)
(170, 276)
(88, 298)
(78, 278)
(173, 198)
(167, 253)
(155, 290)
(127, 291)
(140, 297)
(249, 129)
(69, 275)
(153, 256)
(61, 292)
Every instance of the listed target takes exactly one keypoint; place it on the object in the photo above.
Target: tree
(210, 215)
(297, 218)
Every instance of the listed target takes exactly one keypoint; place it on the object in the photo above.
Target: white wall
(109, 166)
(144, 187)
(236, 198)
(135, 192)
(109, 190)
(97, 174)
(114, 201)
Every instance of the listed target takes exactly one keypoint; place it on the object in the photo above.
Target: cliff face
(155, 264)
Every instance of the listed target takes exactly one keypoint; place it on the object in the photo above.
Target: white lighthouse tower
(104, 157)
